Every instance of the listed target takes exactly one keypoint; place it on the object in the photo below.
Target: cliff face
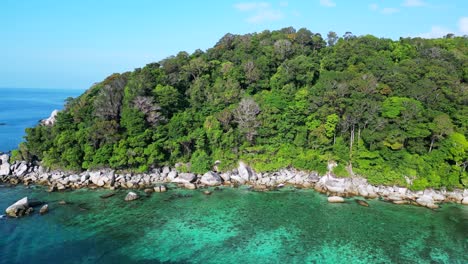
(390, 110)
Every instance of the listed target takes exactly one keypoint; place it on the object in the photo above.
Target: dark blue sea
(24, 107)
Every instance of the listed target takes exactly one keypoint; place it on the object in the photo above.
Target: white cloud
(414, 3)
(327, 3)
(251, 6)
(463, 25)
(389, 10)
(436, 32)
(265, 15)
(374, 7)
(261, 11)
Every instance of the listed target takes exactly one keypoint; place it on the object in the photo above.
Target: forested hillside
(380, 108)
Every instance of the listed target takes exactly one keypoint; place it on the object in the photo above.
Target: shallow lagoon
(229, 226)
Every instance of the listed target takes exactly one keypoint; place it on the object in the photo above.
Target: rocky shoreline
(27, 173)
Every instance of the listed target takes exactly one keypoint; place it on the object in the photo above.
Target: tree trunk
(432, 144)
(351, 142)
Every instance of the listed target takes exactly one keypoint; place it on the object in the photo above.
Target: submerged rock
(107, 195)
(131, 196)
(362, 202)
(160, 189)
(19, 208)
(44, 209)
(206, 192)
(335, 199)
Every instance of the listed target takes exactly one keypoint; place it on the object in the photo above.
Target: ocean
(229, 226)
(233, 225)
(22, 108)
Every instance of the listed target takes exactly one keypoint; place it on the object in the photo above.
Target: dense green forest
(380, 108)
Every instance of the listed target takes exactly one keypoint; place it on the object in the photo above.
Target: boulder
(21, 169)
(160, 189)
(94, 176)
(185, 178)
(44, 209)
(238, 179)
(18, 209)
(226, 176)
(426, 201)
(206, 192)
(335, 199)
(131, 196)
(211, 179)
(245, 172)
(4, 165)
(171, 175)
(51, 119)
(190, 186)
(465, 201)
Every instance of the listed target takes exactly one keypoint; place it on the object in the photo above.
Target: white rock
(51, 119)
(185, 178)
(171, 175)
(18, 209)
(44, 209)
(465, 201)
(4, 165)
(131, 196)
(335, 199)
(21, 169)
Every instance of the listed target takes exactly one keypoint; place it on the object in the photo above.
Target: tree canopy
(387, 110)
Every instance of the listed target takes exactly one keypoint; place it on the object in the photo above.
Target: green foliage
(277, 99)
(200, 162)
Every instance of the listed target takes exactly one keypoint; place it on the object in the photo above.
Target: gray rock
(185, 178)
(211, 179)
(131, 196)
(18, 209)
(236, 178)
(245, 172)
(226, 176)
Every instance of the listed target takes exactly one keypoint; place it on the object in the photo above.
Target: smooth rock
(51, 119)
(160, 189)
(18, 209)
(335, 199)
(4, 165)
(211, 179)
(185, 178)
(206, 192)
(190, 186)
(465, 201)
(44, 209)
(131, 196)
(21, 169)
(245, 172)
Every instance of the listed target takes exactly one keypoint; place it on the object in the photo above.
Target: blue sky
(74, 43)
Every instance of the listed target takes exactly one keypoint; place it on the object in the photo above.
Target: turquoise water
(22, 108)
(229, 226)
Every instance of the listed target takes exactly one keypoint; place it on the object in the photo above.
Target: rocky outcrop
(51, 119)
(4, 165)
(28, 173)
(19, 208)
